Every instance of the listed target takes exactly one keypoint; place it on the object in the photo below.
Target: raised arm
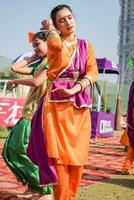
(57, 55)
(21, 67)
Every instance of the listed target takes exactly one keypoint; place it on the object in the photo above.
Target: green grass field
(120, 187)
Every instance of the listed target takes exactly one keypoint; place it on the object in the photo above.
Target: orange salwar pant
(129, 158)
(68, 181)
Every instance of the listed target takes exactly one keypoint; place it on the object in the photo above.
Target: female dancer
(127, 165)
(66, 116)
(14, 151)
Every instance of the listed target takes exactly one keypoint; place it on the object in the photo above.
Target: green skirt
(14, 154)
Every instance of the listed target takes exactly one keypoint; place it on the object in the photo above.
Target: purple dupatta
(37, 152)
(67, 79)
(130, 115)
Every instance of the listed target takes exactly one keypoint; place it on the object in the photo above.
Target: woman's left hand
(12, 84)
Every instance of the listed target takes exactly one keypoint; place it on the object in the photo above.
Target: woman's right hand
(47, 24)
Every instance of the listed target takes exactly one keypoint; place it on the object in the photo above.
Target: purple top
(68, 77)
(130, 114)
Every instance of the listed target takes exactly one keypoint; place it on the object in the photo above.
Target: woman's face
(65, 22)
(40, 47)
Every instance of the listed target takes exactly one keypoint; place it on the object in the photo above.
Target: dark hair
(40, 35)
(56, 9)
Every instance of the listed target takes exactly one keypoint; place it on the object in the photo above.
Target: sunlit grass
(4, 132)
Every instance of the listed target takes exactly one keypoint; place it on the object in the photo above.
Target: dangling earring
(59, 33)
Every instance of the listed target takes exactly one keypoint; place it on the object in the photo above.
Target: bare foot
(26, 195)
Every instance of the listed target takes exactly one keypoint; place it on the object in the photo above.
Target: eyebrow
(64, 17)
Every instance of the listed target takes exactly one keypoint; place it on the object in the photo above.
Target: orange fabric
(30, 36)
(124, 138)
(57, 59)
(91, 67)
(68, 182)
(129, 158)
(67, 129)
(67, 132)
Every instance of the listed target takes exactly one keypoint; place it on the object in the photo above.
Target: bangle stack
(89, 78)
(48, 33)
(54, 35)
(83, 83)
(78, 82)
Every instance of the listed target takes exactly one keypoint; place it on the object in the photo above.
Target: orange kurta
(67, 129)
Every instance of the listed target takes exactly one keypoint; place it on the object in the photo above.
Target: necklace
(69, 43)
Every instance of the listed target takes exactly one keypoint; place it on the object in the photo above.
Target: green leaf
(131, 62)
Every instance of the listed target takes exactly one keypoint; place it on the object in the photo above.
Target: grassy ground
(119, 187)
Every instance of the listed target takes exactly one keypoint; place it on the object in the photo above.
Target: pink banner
(10, 110)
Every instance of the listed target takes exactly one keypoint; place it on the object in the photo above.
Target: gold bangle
(85, 77)
(49, 30)
(89, 78)
(83, 84)
(55, 35)
(78, 82)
